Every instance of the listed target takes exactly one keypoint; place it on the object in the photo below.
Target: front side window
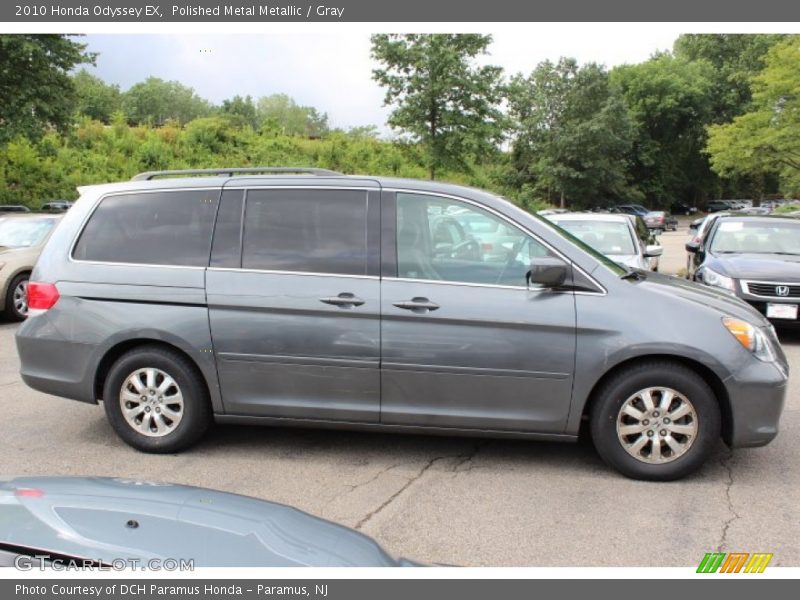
(157, 228)
(308, 231)
(441, 239)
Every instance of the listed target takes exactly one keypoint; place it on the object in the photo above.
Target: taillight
(28, 493)
(41, 296)
(486, 247)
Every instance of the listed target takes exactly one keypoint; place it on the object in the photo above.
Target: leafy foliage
(765, 140)
(36, 91)
(445, 101)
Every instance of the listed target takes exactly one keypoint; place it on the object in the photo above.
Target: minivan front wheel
(657, 421)
(156, 400)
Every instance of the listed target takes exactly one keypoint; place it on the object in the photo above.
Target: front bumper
(756, 396)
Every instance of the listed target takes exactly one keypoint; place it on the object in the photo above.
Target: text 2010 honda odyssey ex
(303, 297)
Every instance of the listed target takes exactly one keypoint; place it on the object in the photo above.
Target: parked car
(660, 220)
(56, 206)
(70, 519)
(22, 238)
(615, 236)
(316, 300)
(632, 209)
(756, 259)
(681, 208)
(698, 232)
(718, 205)
(14, 208)
(754, 210)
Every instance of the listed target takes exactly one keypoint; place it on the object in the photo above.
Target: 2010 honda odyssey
(303, 297)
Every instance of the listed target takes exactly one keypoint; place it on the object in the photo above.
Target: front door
(465, 342)
(293, 295)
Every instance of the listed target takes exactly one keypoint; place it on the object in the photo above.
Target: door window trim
(395, 190)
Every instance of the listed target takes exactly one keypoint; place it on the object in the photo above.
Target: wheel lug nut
(158, 410)
(666, 420)
(655, 413)
(646, 422)
(146, 409)
(663, 433)
(144, 397)
(649, 434)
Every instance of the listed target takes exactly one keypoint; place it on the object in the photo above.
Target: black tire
(196, 411)
(613, 394)
(12, 313)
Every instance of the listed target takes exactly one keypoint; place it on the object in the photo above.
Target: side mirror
(692, 247)
(693, 226)
(653, 251)
(547, 272)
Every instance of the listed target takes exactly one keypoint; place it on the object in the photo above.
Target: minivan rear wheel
(657, 421)
(156, 400)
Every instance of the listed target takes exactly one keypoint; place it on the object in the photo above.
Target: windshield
(24, 233)
(756, 237)
(607, 237)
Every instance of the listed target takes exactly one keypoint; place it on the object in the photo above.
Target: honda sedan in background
(756, 259)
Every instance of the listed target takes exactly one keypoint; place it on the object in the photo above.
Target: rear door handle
(417, 305)
(343, 300)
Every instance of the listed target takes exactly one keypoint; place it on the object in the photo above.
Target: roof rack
(149, 175)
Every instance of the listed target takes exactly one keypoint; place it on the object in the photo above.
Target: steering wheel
(512, 258)
(470, 246)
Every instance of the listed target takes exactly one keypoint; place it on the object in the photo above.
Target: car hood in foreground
(764, 267)
(106, 519)
(696, 293)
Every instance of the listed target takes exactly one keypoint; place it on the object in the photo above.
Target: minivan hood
(699, 294)
(768, 267)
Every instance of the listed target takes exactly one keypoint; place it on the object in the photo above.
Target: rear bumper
(50, 364)
(756, 397)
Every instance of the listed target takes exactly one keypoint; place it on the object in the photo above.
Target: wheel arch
(707, 374)
(113, 353)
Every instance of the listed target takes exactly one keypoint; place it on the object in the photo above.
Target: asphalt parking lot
(449, 500)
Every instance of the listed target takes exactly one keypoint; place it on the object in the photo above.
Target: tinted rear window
(159, 228)
(310, 231)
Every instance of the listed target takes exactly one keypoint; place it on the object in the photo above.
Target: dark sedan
(755, 258)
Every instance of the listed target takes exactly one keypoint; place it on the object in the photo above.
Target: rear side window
(159, 228)
(309, 231)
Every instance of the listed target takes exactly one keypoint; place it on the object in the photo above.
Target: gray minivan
(303, 297)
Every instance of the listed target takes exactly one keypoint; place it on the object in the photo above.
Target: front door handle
(417, 305)
(343, 300)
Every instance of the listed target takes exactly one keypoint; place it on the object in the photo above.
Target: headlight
(713, 278)
(751, 337)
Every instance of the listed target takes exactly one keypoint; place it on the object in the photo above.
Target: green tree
(241, 110)
(95, 98)
(670, 101)
(36, 90)
(735, 59)
(442, 98)
(571, 135)
(765, 140)
(282, 113)
(156, 101)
